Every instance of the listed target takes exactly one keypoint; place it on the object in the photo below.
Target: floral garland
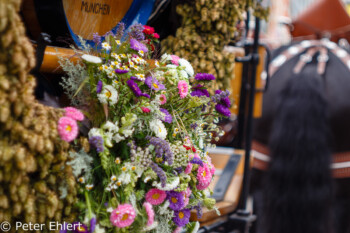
(151, 120)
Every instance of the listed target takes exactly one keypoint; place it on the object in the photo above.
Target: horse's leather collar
(340, 165)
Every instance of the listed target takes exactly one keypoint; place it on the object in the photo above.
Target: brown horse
(302, 140)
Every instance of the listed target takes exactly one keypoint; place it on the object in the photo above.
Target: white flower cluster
(108, 95)
(181, 155)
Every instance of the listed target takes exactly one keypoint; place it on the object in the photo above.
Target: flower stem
(88, 204)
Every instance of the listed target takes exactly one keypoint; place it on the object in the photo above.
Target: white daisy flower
(141, 52)
(117, 42)
(140, 76)
(108, 94)
(116, 57)
(81, 180)
(89, 186)
(113, 178)
(117, 160)
(158, 128)
(109, 209)
(91, 59)
(187, 65)
(106, 46)
(156, 63)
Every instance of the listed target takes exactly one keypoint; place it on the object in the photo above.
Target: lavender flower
(204, 77)
(162, 148)
(154, 84)
(198, 161)
(134, 44)
(96, 38)
(182, 217)
(223, 110)
(99, 86)
(136, 89)
(199, 210)
(176, 200)
(179, 170)
(120, 71)
(120, 31)
(109, 33)
(136, 32)
(168, 118)
(160, 173)
(97, 142)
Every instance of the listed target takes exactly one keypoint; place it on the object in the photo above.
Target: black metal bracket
(226, 177)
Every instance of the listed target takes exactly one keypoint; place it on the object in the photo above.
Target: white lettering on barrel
(95, 8)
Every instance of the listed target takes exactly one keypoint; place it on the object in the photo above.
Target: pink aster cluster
(67, 125)
(183, 88)
(123, 216)
(155, 196)
(150, 213)
(203, 176)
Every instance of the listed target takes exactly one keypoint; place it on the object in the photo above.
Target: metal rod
(249, 129)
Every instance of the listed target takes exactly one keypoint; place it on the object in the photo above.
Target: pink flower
(67, 128)
(211, 165)
(74, 113)
(188, 168)
(150, 213)
(123, 216)
(175, 59)
(155, 196)
(204, 177)
(162, 99)
(145, 110)
(186, 194)
(178, 230)
(155, 35)
(183, 88)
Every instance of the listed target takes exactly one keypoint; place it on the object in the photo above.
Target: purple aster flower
(78, 227)
(96, 38)
(154, 84)
(162, 148)
(120, 71)
(204, 77)
(226, 102)
(97, 142)
(136, 32)
(218, 91)
(92, 225)
(182, 217)
(120, 31)
(176, 200)
(134, 44)
(136, 89)
(99, 86)
(223, 110)
(200, 92)
(179, 170)
(160, 173)
(198, 161)
(64, 228)
(168, 118)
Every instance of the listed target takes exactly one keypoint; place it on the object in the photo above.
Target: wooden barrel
(65, 20)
